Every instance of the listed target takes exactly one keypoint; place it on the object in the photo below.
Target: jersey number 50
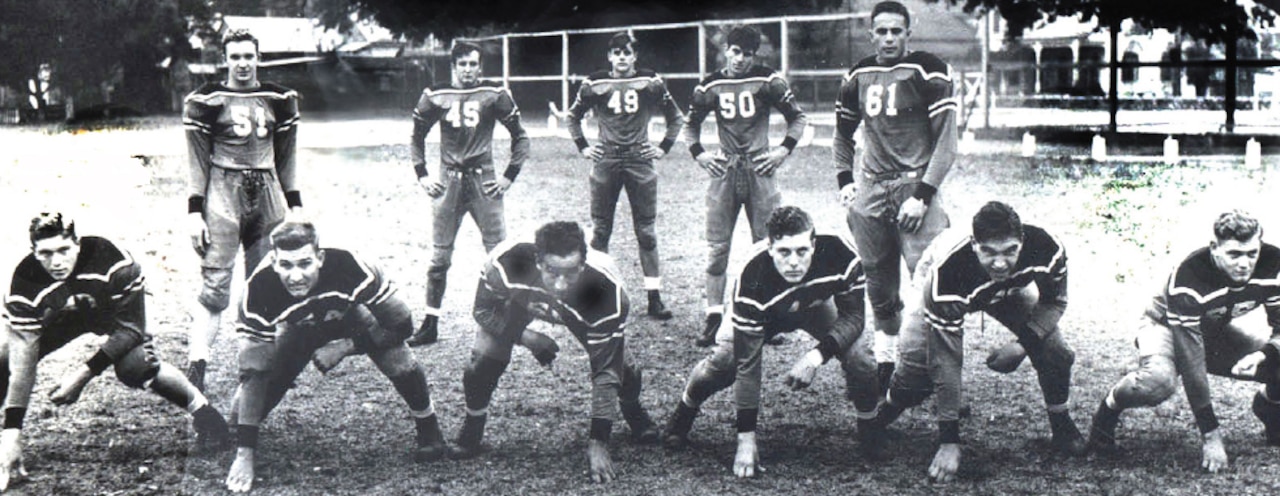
(469, 115)
(737, 105)
(242, 125)
(878, 97)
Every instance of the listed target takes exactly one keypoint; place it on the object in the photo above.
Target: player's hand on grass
(747, 461)
(1248, 366)
(199, 232)
(11, 469)
(497, 187)
(651, 152)
(71, 387)
(801, 375)
(1215, 454)
(433, 187)
(330, 355)
(240, 477)
(593, 152)
(848, 194)
(544, 348)
(911, 214)
(600, 462)
(768, 162)
(945, 463)
(712, 162)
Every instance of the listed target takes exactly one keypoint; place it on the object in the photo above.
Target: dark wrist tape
(949, 432)
(512, 171)
(195, 204)
(828, 347)
(925, 192)
(246, 436)
(666, 145)
(420, 170)
(600, 429)
(581, 143)
(696, 149)
(789, 143)
(293, 199)
(13, 417)
(1272, 352)
(1206, 420)
(747, 419)
(99, 362)
(845, 178)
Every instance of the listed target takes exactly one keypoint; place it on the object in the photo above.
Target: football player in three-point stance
(67, 287)
(741, 95)
(465, 183)
(241, 141)
(903, 101)
(795, 280)
(623, 100)
(556, 279)
(308, 298)
(1188, 332)
(1017, 274)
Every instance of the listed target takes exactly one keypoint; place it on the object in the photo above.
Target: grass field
(348, 432)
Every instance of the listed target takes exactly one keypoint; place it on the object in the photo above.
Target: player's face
(242, 63)
(1236, 259)
(299, 269)
(998, 257)
(466, 69)
(57, 255)
(792, 255)
(623, 59)
(561, 273)
(889, 33)
(739, 60)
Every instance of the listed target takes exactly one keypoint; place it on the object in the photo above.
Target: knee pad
(441, 259)
(136, 373)
(908, 397)
(714, 372)
(215, 290)
(718, 258)
(1155, 381)
(887, 310)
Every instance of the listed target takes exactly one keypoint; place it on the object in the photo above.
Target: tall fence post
(702, 51)
(564, 70)
(506, 61)
(785, 44)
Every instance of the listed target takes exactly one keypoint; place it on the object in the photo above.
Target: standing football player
(904, 98)
(241, 142)
(623, 100)
(1015, 273)
(465, 181)
(795, 280)
(1188, 332)
(741, 96)
(67, 287)
(301, 300)
(558, 280)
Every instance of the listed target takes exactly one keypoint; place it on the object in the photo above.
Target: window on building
(1129, 74)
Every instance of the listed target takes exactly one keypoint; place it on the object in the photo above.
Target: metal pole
(564, 70)
(986, 71)
(1113, 93)
(506, 61)
(1230, 103)
(702, 50)
(785, 44)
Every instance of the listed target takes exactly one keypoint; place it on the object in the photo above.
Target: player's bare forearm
(24, 353)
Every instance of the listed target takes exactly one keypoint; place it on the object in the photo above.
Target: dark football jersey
(742, 106)
(907, 113)
(241, 129)
(467, 117)
(1199, 297)
(623, 107)
(106, 274)
(344, 282)
(761, 294)
(957, 283)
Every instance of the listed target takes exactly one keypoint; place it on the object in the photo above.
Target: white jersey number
(737, 105)
(624, 102)
(881, 98)
(242, 124)
(465, 114)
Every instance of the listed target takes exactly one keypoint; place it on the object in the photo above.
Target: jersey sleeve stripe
(255, 335)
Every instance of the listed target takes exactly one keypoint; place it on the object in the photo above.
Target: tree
(1214, 21)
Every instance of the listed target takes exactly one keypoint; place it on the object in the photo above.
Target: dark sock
(428, 430)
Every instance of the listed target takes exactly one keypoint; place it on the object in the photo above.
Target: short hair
(462, 49)
(52, 224)
(560, 238)
(891, 7)
(746, 37)
(239, 35)
(995, 220)
(622, 40)
(1237, 225)
(293, 235)
(788, 221)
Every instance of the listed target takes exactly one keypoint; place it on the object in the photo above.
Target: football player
(741, 95)
(623, 100)
(556, 279)
(67, 287)
(241, 142)
(1017, 274)
(303, 298)
(903, 100)
(795, 280)
(465, 182)
(1188, 332)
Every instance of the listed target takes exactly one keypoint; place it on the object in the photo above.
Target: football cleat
(1269, 414)
(427, 333)
(712, 326)
(657, 309)
(195, 373)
